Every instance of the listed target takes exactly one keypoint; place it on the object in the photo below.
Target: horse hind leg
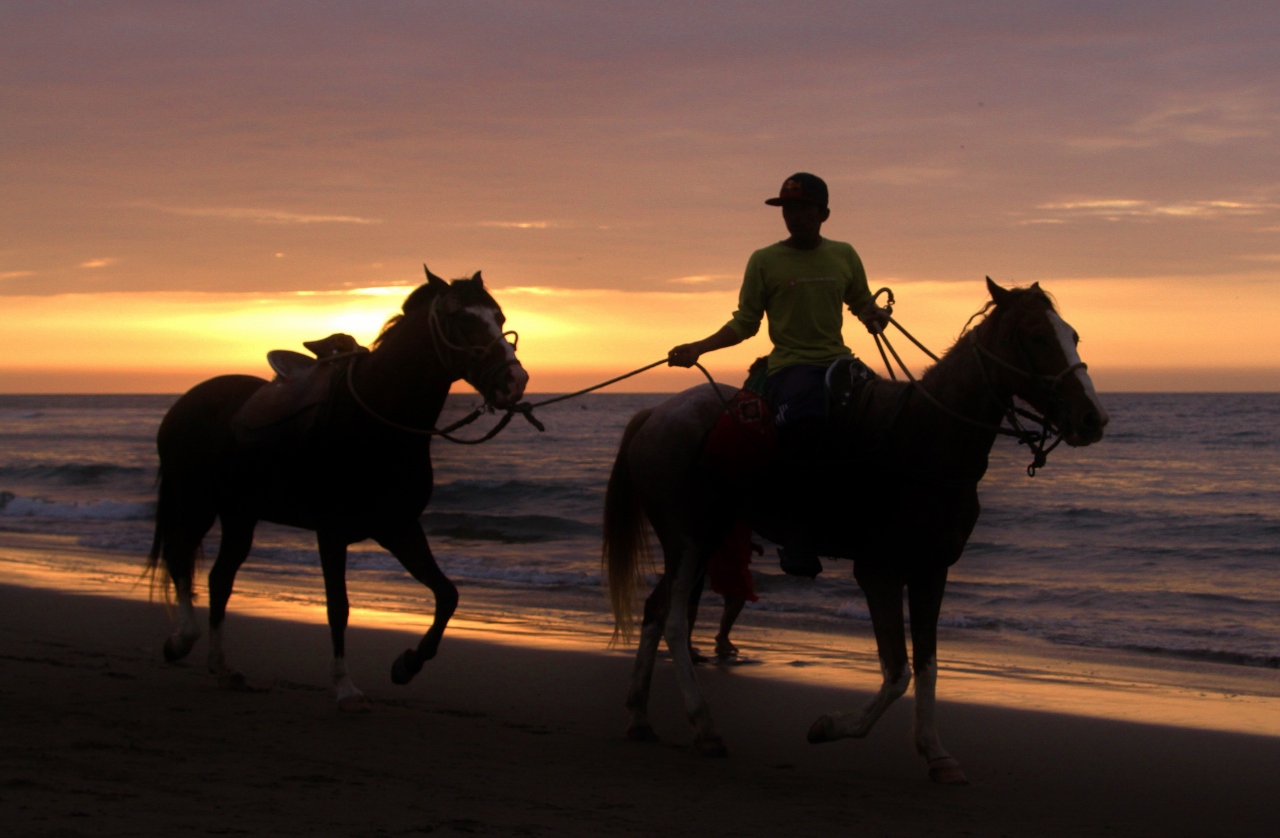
(924, 596)
(655, 617)
(884, 600)
(179, 548)
(237, 540)
(706, 741)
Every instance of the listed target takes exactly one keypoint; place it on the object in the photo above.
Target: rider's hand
(684, 355)
(874, 318)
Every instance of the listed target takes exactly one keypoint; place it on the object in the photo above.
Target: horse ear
(478, 280)
(435, 281)
(999, 295)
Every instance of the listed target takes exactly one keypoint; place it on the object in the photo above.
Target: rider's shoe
(798, 561)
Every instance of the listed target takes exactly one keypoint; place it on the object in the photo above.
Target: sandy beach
(501, 737)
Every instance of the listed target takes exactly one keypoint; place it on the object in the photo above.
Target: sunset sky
(187, 185)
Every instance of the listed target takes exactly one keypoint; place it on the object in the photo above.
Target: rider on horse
(800, 283)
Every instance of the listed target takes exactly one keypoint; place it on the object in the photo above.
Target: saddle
(285, 410)
(742, 448)
(743, 443)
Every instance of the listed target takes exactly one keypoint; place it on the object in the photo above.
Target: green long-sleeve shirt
(802, 292)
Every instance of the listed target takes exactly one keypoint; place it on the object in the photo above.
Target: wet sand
(100, 736)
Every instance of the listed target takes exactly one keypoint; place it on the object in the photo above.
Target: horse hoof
(405, 667)
(823, 730)
(176, 648)
(711, 746)
(946, 771)
(642, 733)
(232, 680)
(354, 704)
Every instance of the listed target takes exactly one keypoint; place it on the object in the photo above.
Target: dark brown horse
(356, 472)
(903, 505)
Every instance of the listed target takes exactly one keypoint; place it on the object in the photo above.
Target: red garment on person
(730, 565)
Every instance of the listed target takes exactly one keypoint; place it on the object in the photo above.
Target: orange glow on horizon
(570, 338)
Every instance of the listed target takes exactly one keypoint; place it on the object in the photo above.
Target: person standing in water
(801, 283)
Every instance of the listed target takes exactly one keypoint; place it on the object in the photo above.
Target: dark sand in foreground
(101, 737)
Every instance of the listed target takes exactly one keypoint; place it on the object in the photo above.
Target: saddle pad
(743, 440)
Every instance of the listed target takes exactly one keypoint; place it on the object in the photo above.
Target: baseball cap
(801, 187)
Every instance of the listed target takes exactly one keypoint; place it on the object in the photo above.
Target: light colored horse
(903, 501)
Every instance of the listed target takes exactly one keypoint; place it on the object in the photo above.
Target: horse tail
(155, 570)
(625, 554)
(167, 566)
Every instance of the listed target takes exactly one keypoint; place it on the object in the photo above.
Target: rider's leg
(797, 395)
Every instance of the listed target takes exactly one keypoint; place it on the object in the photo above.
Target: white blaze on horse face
(516, 378)
(1067, 338)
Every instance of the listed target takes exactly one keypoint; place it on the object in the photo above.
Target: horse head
(463, 327)
(1033, 353)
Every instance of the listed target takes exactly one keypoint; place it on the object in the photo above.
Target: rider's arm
(860, 301)
(686, 354)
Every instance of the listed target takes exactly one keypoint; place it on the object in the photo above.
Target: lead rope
(524, 409)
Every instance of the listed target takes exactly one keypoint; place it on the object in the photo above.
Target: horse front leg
(884, 601)
(705, 739)
(333, 562)
(655, 617)
(408, 543)
(237, 541)
(924, 597)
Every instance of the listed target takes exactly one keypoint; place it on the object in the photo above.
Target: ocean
(1162, 540)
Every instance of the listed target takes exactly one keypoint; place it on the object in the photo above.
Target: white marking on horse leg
(184, 635)
(1067, 338)
(677, 637)
(642, 674)
(188, 628)
(928, 744)
(859, 723)
(348, 693)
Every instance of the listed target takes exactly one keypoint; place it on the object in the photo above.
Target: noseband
(1038, 441)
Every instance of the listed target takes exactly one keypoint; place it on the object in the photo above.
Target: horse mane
(469, 291)
(986, 319)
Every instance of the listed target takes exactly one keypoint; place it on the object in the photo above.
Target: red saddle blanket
(743, 440)
(738, 449)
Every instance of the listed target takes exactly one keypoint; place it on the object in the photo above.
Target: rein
(1039, 441)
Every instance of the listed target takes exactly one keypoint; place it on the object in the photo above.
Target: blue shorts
(797, 392)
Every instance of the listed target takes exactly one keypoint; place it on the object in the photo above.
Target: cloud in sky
(265, 216)
(101, 262)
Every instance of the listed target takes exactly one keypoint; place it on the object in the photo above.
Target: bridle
(472, 355)
(1040, 441)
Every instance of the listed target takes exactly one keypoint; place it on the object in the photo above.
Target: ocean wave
(508, 529)
(12, 506)
(75, 474)
(497, 494)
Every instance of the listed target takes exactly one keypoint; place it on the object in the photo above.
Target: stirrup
(796, 562)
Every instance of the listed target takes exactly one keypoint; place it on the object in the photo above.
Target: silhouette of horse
(350, 467)
(905, 500)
